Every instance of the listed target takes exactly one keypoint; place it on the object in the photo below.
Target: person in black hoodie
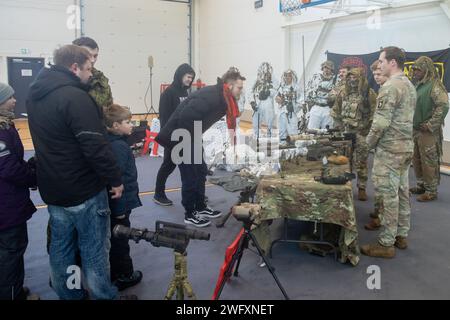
(169, 101)
(202, 108)
(75, 165)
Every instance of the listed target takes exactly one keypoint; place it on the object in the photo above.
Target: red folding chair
(149, 138)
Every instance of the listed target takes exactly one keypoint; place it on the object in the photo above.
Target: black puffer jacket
(206, 105)
(174, 94)
(74, 158)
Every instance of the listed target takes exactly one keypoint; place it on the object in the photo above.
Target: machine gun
(303, 123)
(342, 179)
(169, 235)
(287, 100)
(166, 234)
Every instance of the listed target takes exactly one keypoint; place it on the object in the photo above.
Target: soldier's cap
(329, 64)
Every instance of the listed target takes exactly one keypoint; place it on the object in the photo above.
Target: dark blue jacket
(125, 160)
(16, 177)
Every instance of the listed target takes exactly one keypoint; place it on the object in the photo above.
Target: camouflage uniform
(391, 135)
(353, 112)
(336, 91)
(100, 89)
(431, 109)
(318, 90)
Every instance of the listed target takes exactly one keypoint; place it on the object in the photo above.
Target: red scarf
(232, 111)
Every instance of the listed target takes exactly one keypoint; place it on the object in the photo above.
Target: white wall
(233, 33)
(127, 33)
(33, 25)
(264, 34)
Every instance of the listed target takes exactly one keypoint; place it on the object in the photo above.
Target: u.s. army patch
(380, 104)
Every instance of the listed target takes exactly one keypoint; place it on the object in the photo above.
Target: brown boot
(373, 225)
(400, 242)
(362, 195)
(374, 215)
(377, 250)
(427, 196)
(417, 190)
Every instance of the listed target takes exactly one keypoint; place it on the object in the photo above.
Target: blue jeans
(85, 227)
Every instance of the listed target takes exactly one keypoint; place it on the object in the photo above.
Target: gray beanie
(6, 92)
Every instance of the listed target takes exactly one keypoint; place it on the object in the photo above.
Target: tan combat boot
(426, 197)
(377, 250)
(362, 195)
(417, 190)
(400, 242)
(373, 225)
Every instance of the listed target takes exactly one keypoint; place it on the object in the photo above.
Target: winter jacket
(74, 158)
(125, 159)
(206, 105)
(16, 177)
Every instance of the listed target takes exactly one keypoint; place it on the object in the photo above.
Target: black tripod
(245, 239)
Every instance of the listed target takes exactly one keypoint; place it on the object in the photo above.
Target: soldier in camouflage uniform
(380, 80)
(353, 112)
(99, 83)
(262, 98)
(391, 136)
(431, 109)
(340, 84)
(318, 89)
(288, 102)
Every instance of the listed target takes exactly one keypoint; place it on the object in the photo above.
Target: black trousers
(166, 169)
(119, 255)
(193, 179)
(13, 243)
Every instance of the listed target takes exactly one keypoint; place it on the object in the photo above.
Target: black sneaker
(195, 220)
(124, 282)
(162, 200)
(209, 213)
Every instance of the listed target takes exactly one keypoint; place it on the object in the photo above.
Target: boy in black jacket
(169, 101)
(118, 123)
